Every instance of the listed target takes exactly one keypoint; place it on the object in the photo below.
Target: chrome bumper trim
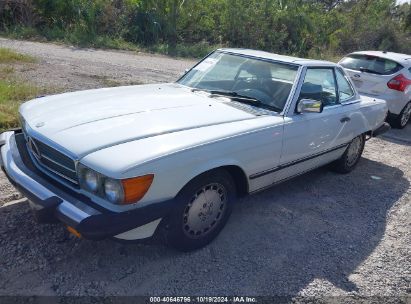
(66, 208)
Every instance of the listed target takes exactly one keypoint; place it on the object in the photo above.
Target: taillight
(399, 83)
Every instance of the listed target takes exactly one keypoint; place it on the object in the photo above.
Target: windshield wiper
(240, 98)
(215, 92)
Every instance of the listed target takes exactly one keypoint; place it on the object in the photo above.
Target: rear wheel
(203, 208)
(351, 156)
(401, 120)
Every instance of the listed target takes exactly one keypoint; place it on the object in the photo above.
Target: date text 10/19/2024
(203, 300)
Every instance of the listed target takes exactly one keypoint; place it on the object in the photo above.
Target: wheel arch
(236, 172)
(239, 177)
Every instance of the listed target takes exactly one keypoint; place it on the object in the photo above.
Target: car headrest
(260, 70)
(310, 88)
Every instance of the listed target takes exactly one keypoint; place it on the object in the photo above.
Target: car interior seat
(311, 91)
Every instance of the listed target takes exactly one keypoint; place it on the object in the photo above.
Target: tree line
(313, 28)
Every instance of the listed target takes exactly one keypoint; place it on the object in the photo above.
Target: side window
(319, 84)
(345, 90)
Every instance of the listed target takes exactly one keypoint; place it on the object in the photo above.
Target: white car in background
(121, 162)
(384, 75)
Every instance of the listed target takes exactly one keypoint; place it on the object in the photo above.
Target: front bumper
(52, 202)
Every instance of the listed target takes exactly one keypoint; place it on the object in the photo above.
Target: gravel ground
(343, 237)
(69, 68)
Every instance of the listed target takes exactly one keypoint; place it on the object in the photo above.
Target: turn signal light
(74, 232)
(135, 188)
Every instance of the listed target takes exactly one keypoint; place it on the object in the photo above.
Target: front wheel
(202, 209)
(347, 162)
(401, 120)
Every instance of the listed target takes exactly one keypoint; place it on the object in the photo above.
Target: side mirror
(310, 106)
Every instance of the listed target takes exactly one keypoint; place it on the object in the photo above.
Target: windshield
(237, 76)
(370, 64)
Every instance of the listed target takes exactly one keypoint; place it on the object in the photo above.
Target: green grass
(195, 50)
(81, 39)
(9, 56)
(12, 91)
(106, 42)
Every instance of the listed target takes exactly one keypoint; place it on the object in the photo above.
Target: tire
(401, 120)
(196, 220)
(347, 162)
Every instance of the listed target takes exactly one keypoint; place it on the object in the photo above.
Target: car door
(313, 139)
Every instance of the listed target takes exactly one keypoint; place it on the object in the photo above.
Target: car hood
(82, 122)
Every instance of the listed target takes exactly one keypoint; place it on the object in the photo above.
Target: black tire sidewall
(351, 167)
(400, 117)
(341, 165)
(174, 233)
(395, 120)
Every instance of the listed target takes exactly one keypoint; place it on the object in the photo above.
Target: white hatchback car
(385, 75)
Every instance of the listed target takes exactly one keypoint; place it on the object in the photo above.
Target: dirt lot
(69, 68)
(321, 235)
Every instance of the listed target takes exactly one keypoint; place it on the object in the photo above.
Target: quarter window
(319, 84)
(345, 90)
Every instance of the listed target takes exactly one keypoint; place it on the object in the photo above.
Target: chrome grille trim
(58, 164)
(37, 162)
(50, 159)
(57, 156)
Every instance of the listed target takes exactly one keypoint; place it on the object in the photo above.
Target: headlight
(91, 180)
(113, 190)
(116, 191)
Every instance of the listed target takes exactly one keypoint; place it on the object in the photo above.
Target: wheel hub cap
(406, 115)
(204, 210)
(354, 150)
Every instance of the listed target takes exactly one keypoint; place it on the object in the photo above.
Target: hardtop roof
(277, 57)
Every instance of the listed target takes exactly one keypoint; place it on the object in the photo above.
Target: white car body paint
(176, 134)
(373, 85)
(138, 233)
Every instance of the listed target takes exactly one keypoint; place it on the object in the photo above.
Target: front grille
(52, 160)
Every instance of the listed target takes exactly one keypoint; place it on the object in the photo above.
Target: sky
(403, 1)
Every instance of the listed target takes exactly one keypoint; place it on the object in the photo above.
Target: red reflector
(399, 83)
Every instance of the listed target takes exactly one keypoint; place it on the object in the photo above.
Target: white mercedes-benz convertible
(126, 162)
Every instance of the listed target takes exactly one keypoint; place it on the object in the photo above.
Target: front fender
(173, 173)
(177, 158)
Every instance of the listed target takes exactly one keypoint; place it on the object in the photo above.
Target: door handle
(345, 119)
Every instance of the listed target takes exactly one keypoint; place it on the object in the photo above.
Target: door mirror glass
(310, 106)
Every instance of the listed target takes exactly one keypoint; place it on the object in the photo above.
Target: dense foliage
(316, 28)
